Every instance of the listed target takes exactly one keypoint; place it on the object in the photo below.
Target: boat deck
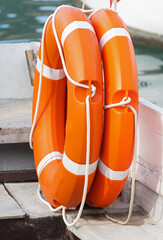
(21, 208)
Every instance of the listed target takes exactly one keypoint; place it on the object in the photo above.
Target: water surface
(22, 20)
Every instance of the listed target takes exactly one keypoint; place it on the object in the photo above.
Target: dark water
(150, 73)
(22, 20)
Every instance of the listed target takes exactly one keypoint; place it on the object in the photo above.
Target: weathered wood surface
(9, 208)
(31, 61)
(93, 225)
(25, 194)
(49, 228)
(150, 201)
(150, 146)
(16, 157)
(18, 175)
(99, 228)
(142, 225)
(15, 92)
(15, 120)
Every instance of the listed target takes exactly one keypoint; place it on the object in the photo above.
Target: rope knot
(125, 101)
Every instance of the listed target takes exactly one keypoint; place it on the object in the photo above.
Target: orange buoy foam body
(120, 73)
(59, 139)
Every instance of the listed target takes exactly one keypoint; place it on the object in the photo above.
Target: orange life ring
(59, 138)
(120, 81)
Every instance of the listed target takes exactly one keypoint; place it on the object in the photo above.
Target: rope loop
(93, 91)
(123, 103)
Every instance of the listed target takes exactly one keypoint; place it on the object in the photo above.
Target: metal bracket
(31, 62)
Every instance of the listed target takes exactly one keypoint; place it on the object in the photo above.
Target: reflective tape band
(73, 26)
(111, 174)
(48, 159)
(77, 169)
(114, 32)
(51, 73)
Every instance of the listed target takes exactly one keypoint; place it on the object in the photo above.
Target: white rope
(85, 180)
(83, 5)
(61, 52)
(123, 103)
(133, 166)
(46, 202)
(41, 70)
(114, 5)
(40, 85)
(93, 90)
(86, 171)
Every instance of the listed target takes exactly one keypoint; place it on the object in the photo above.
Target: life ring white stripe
(111, 174)
(51, 73)
(73, 26)
(77, 169)
(48, 159)
(114, 32)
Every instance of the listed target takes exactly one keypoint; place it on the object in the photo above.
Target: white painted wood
(92, 228)
(25, 194)
(15, 92)
(150, 146)
(14, 76)
(150, 202)
(141, 226)
(9, 209)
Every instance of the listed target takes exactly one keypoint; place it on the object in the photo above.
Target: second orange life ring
(120, 81)
(59, 138)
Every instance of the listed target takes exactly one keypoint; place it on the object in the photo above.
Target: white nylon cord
(120, 104)
(114, 6)
(86, 171)
(46, 202)
(93, 89)
(61, 52)
(41, 70)
(83, 5)
(36, 113)
(40, 85)
(123, 103)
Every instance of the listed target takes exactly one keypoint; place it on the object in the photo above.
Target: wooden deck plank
(99, 228)
(18, 175)
(25, 194)
(9, 208)
(15, 120)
